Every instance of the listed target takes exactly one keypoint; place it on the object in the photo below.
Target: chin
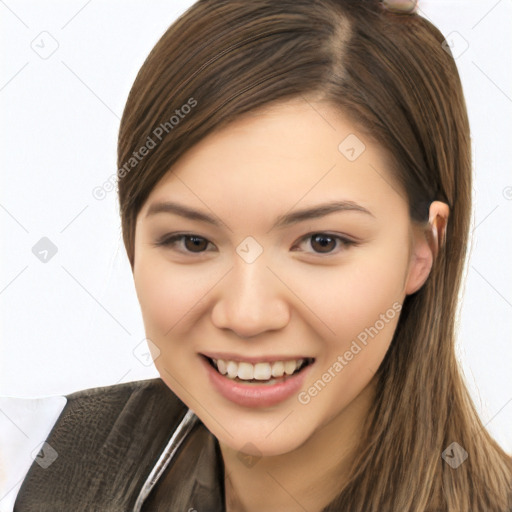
(255, 437)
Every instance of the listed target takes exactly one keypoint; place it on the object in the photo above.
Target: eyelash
(170, 241)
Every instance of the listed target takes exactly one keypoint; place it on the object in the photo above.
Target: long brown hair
(391, 74)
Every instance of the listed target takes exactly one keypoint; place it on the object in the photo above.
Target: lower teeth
(265, 382)
(254, 381)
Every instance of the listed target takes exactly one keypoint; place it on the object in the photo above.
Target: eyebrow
(282, 221)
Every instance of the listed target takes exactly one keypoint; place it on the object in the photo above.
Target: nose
(251, 300)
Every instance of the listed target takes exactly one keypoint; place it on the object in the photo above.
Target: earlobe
(426, 245)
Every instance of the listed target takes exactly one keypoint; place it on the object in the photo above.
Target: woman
(295, 192)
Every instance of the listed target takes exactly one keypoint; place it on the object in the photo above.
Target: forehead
(279, 155)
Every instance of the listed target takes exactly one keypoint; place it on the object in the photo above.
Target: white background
(74, 322)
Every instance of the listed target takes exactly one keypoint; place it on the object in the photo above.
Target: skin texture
(294, 299)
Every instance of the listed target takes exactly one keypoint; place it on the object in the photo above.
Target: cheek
(362, 305)
(166, 293)
(351, 297)
(369, 293)
(360, 301)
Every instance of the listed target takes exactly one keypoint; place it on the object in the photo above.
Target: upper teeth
(258, 371)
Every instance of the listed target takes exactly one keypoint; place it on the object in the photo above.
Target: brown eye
(184, 243)
(323, 243)
(197, 244)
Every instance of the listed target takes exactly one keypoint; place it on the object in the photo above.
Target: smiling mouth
(259, 373)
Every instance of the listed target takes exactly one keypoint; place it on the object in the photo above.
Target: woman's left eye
(322, 243)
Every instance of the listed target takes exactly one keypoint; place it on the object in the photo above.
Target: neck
(307, 478)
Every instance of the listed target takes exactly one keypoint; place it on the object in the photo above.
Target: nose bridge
(251, 299)
(250, 281)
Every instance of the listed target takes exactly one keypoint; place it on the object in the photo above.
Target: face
(297, 308)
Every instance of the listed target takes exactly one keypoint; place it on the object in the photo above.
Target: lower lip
(254, 395)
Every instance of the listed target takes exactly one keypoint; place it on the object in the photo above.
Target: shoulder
(121, 408)
(106, 400)
(102, 438)
(95, 410)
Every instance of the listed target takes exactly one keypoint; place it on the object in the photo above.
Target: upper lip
(255, 359)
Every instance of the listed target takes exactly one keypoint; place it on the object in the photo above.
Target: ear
(427, 241)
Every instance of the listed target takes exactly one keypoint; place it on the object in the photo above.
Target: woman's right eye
(191, 243)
